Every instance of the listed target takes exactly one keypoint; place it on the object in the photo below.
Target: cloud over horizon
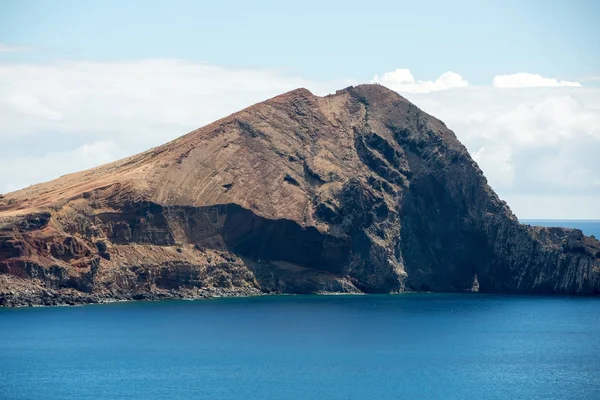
(525, 80)
(55, 164)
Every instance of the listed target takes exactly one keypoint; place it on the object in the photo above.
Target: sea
(587, 226)
(408, 346)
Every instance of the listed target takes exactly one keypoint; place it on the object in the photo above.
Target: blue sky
(87, 82)
(319, 39)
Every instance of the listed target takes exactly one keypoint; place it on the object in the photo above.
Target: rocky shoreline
(49, 298)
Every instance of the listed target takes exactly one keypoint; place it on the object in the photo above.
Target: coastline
(7, 301)
(74, 299)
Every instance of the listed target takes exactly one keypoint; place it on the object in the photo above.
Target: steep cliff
(359, 191)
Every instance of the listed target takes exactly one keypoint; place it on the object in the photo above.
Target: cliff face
(359, 191)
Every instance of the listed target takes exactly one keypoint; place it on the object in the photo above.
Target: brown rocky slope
(359, 191)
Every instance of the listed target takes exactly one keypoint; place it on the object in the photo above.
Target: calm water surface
(415, 346)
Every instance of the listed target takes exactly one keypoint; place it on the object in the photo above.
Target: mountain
(359, 191)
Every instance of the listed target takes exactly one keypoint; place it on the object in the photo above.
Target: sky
(87, 82)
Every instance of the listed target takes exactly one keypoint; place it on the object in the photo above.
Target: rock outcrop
(359, 191)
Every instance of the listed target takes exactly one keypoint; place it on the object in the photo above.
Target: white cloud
(146, 101)
(401, 80)
(30, 105)
(4, 48)
(563, 169)
(531, 143)
(18, 172)
(530, 206)
(523, 80)
(497, 161)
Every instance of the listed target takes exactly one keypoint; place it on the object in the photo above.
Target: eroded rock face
(359, 191)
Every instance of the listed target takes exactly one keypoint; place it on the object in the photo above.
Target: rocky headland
(355, 192)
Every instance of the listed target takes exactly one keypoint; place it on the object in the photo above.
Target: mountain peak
(299, 92)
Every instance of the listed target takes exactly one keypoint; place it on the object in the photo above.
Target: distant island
(355, 192)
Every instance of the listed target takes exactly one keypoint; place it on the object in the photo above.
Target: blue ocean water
(412, 346)
(588, 227)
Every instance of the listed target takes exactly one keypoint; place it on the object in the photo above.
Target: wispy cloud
(523, 79)
(591, 78)
(4, 48)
